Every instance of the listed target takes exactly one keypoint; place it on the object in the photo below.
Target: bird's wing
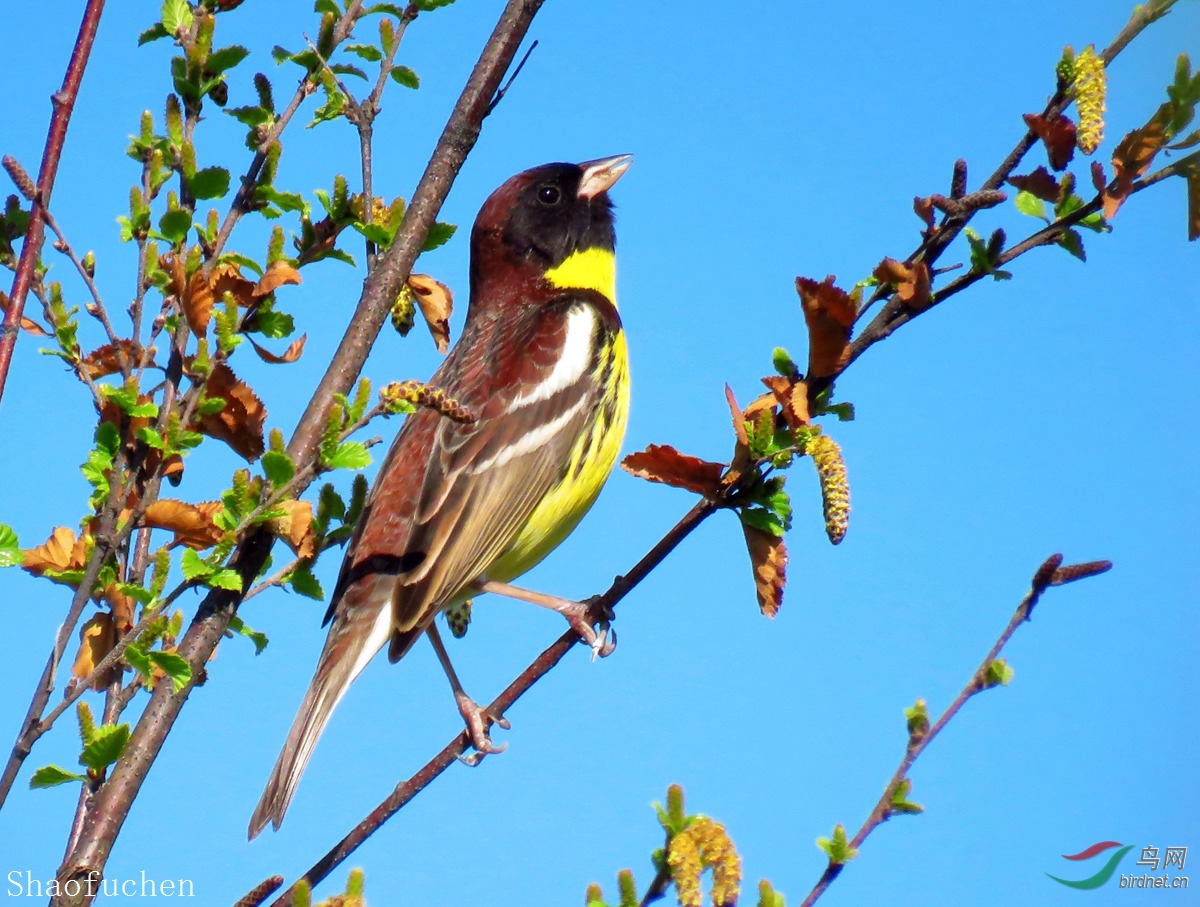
(452, 497)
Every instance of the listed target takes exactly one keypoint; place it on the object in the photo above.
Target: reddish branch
(31, 249)
(115, 798)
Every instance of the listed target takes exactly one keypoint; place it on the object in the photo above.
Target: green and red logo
(1106, 871)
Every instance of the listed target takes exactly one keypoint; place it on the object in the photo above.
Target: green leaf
(900, 802)
(225, 579)
(107, 743)
(52, 776)
(176, 15)
(1029, 204)
(193, 566)
(153, 33)
(837, 847)
(237, 625)
(1073, 243)
(174, 225)
(439, 235)
(278, 467)
(426, 6)
(766, 520)
(137, 658)
(844, 411)
(174, 666)
(150, 437)
(997, 673)
(346, 69)
(211, 182)
(275, 325)
(304, 583)
(327, 8)
(402, 75)
(368, 52)
(226, 58)
(349, 455)
(10, 548)
(784, 363)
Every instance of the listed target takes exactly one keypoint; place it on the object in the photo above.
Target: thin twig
(31, 248)
(1051, 573)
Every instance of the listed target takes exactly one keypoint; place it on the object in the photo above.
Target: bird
(460, 507)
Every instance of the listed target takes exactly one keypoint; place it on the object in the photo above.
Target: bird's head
(552, 224)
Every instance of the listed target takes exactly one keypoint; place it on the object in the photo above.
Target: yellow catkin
(404, 311)
(420, 394)
(1090, 85)
(704, 844)
(835, 487)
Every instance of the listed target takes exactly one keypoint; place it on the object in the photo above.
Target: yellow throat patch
(588, 269)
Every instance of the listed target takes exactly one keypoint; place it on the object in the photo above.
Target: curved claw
(479, 721)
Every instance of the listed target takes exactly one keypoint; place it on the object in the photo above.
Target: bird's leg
(578, 614)
(478, 720)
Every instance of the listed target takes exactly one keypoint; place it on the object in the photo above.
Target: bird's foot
(585, 617)
(479, 721)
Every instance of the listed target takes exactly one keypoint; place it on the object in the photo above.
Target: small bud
(89, 264)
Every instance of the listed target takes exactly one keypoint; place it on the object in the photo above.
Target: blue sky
(1053, 412)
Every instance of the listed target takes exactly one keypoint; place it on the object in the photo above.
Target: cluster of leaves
(770, 433)
(167, 386)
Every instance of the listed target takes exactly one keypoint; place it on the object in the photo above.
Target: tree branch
(31, 249)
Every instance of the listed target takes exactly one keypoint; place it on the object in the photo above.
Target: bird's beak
(599, 175)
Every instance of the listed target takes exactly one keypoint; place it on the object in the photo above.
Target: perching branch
(990, 673)
(537, 669)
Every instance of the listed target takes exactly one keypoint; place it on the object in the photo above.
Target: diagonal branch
(31, 248)
(537, 669)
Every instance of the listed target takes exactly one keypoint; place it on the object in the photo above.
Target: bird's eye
(549, 195)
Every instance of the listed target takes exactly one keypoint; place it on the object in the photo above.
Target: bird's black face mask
(550, 201)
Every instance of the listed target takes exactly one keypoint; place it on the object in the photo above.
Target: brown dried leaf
(240, 423)
(278, 274)
(829, 313)
(96, 639)
(62, 551)
(291, 354)
(436, 302)
(106, 361)
(792, 397)
(663, 463)
(1132, 158)
(295, 527)
(1058, 135)
(227, 278)
(1040, 183)
(178, 270)
(192, 523)
(739, 420)
(122, 607)
(197, 303)
(923, 208)
(768, 557)
(27, 324)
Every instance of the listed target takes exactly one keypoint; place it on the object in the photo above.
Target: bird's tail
(345, 654)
